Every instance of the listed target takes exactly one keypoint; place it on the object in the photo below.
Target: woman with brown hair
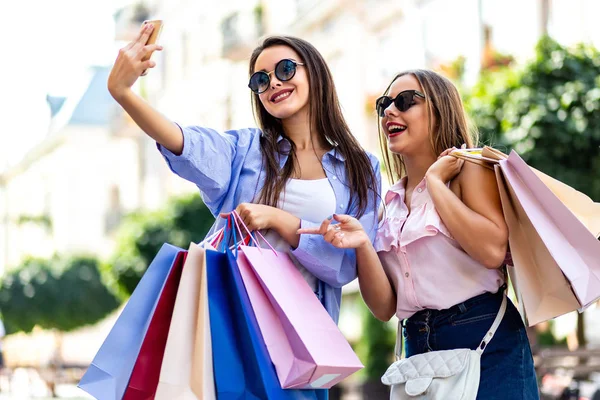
(299, 167)
(439, 251)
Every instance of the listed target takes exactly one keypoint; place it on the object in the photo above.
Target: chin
(283, 111)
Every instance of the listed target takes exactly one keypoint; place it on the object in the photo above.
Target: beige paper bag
(542, 290)
(581, 205)
(202, 380)
(176, 370)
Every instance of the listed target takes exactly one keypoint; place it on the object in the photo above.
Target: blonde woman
(437, 258)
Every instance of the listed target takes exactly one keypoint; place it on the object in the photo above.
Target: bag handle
(237, 218)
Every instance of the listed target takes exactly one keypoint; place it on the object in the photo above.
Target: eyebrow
(285, 58)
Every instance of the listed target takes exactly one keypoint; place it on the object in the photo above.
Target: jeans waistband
(460, 307)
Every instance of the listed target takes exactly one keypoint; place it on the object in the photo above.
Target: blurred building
(70, 190)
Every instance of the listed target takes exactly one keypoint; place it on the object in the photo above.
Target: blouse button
(419, 190)
(341, 206)
(407, 274)
(334, 178)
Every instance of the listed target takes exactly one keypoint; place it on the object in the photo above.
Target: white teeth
(281, 96)
(396, 128)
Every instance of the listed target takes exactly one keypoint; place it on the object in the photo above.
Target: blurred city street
(86, 199)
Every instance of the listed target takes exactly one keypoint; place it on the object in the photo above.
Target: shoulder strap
(490, 334)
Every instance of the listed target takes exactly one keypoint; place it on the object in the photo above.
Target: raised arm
(127, 69)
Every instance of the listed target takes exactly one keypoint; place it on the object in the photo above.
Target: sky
(46, 44)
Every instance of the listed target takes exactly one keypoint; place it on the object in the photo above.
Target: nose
(391, 110)
(274, 83)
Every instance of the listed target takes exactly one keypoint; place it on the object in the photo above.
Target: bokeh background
(86, 200)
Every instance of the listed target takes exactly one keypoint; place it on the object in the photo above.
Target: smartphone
(158, 24)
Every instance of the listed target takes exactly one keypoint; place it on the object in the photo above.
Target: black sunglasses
(403, 101)
(284, 71)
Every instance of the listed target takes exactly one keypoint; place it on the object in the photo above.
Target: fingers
(144, 34)
(147, 51)
(309, 231)
(148, 64)
(342, 218)
(325, 226)
(446, 152)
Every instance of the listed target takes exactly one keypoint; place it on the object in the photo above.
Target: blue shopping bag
(242, 367)
(109, 373)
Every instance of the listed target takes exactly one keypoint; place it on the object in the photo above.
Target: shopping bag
(242, 369)
(542, 290)
(176, 369)
(144, 378)
(552, 237)
(108, 375)
(202, 379)
(572, 246)
(304, 342)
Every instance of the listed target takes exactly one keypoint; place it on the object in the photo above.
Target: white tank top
(309, 200)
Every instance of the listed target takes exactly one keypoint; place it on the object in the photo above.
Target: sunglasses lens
(382, 104)
(259, 82)
(404, 100)
(285, 70)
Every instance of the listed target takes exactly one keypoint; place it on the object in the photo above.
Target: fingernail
(331, 216)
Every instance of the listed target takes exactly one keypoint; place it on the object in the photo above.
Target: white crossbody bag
(439, 375)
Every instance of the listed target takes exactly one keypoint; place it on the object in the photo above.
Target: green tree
(548, 111)
(183, 220)
(62, 293)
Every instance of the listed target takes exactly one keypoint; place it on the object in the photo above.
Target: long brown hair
(442, 101)
(326, 120)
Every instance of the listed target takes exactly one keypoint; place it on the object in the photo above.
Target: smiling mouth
(281, 96)
(395, 129)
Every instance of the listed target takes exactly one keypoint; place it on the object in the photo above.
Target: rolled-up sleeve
(207, 159)
(334, 266)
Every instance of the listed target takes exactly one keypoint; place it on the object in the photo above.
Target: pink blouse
(427, 267)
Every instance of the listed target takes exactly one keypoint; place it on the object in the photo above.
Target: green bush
(141, 235)
(61, 293)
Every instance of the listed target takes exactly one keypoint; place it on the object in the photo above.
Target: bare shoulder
(477, 179)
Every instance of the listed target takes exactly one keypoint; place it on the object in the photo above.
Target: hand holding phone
(157, 28)
(133, 60)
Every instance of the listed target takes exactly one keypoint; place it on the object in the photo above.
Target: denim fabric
(507, 371)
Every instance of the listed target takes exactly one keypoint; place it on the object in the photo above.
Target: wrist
(120, 94)
(364, 242)
(432, 179)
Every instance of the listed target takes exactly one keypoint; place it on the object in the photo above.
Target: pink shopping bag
(572, 246)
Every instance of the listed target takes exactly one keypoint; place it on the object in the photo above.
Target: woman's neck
(416, 167)
(297, 128)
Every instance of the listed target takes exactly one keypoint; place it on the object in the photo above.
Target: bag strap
(480, 349)
(490, 334)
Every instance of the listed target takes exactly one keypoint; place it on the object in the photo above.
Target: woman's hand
(446, 167)
(256, 216)
(129, 65)
(347, 234)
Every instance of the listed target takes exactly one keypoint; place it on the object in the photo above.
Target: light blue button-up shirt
(227, 166)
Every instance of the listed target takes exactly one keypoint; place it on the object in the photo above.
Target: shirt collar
(399, 189)
(285, 146)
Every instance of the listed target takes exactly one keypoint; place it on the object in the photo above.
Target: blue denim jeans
(507, 371)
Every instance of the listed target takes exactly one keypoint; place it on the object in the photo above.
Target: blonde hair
(442, 101)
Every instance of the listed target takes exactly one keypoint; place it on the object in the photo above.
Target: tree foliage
(142, 234)
(61, 293)
(548, 111)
